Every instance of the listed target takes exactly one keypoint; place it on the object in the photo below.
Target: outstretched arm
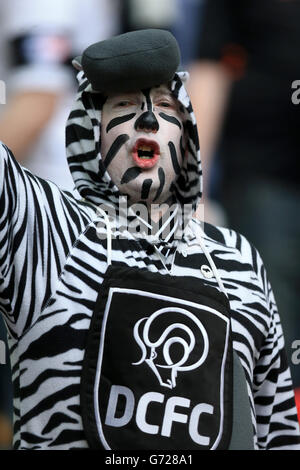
(36, 233)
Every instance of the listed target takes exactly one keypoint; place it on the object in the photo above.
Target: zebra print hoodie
(53, 268)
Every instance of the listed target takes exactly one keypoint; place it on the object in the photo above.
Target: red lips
(145, 153)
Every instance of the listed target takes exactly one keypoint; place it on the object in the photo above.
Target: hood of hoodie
(83, 137)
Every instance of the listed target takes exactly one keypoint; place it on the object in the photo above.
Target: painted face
(142, 143)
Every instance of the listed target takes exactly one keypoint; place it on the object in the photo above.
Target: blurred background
(242, 57)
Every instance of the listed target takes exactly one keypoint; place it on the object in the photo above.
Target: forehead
(161, 90)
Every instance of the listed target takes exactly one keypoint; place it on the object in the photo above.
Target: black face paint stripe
(182, 149)
(162, 179)
(119, 120)
(175, 163)
(171, 119)
(115, 147)
(148, 121)
(131, 174)
(146, 188)
(146, 93)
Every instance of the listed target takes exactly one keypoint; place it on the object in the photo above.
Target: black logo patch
(157, 372)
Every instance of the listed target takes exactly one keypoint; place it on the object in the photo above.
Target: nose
(147, 122)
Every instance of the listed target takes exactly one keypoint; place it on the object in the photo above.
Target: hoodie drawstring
(108, 234)
(199, 239)
(212, 264)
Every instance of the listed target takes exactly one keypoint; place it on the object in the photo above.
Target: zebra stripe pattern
(52, 265)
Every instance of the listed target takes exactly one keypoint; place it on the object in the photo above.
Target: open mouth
(146, 153)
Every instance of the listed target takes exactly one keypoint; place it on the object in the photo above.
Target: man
(131, 326)
(241, 87)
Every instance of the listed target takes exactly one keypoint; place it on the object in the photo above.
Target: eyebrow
(122, 96)
(156, 94)
(163, 93)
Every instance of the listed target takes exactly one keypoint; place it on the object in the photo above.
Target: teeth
(145, 152)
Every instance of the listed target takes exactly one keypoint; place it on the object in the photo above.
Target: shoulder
(4, 151)
(230, 241)
(225, 236)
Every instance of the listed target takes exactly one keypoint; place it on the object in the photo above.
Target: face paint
(146, 188)
(141, 142)
(182, 149)
(147, 121)
(162, 179)
(119, 120)
(114, 148)
(171, 119)
(130, 174)
(174, 158)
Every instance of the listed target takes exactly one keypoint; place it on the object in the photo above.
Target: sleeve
(277, 423)
(39, 36)
(36, 233)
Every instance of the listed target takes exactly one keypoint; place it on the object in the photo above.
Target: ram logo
(184, 335)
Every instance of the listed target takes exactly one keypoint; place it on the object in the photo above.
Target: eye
(123, 104)
(165, 104)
